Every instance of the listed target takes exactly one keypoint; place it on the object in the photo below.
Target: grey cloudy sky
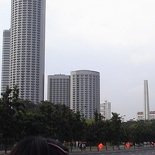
(113, 37)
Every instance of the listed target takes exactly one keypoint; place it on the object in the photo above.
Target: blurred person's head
(39, 146)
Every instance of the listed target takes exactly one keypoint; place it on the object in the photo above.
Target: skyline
(115, 38)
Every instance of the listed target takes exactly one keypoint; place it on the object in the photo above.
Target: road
(145, 151)
(132, 152)
(126, 152)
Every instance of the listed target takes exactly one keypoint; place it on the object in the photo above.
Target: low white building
(105, 110)
(140, 115)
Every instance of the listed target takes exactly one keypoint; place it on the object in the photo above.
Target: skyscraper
(5, 60)
(85, 92)
(59, 89)
(27, 48)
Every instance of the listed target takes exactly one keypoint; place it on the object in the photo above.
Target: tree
(61, 122)
(115, 128)
(6, 118)
(11, 112)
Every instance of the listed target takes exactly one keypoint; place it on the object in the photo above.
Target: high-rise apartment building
(105, 110)
(85, 92)
(27, 48)
(5, 60)
(59, 89)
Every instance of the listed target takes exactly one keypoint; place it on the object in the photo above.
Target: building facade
(59, 89)
(27, 48)
(141, 115)
(85, 92)
(5, 60)
(105, 110)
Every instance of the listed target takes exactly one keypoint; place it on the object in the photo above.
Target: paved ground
(146, 151)
(131, 151)
(122, 147)
(2, 152)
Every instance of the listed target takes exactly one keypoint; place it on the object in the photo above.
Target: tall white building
(105, 110)
(59, 89)
(5, 60)
(27, 48)
(85, 92)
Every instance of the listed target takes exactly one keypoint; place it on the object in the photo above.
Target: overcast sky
(113, 37)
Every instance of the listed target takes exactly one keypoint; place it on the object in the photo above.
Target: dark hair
(39, 146)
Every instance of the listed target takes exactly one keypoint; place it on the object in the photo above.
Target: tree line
(21, 118)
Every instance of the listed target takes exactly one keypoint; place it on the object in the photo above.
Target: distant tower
(146, 101)
(5, 60)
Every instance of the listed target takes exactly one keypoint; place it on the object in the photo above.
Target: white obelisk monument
(146, 101)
